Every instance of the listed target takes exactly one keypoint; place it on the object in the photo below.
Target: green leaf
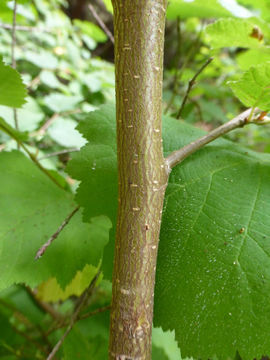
(91, 30)
(29, 116)
(233, 32)
(64, 133)
(32, 209)
(50, 291)
(213, 267)
(166, 341)
(76, 346)
(185, 9)
(95, 165)
(49, 78)
(43, 59)
(108, 5)
(253, 56)
(262, 5)
(253, 87)
(213, 271)
(12, 89)
(59, 102)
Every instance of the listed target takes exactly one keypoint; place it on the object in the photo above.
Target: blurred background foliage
(64, 52)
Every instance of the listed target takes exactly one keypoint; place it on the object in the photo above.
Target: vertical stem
(13, 58)
(139, 40)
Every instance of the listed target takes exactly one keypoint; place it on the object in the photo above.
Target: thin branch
(43, 306)
(13, 58)
(13, 44)
(101, 23)
(56, 153)
(86, 295)
(247, 117)
(81, 317)
(42, 130)
(180, 69)
(23, 28)
(191, 83)
(44, 247)
(29, 339)
(22, 318)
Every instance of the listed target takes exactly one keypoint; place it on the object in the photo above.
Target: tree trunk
(143, 175)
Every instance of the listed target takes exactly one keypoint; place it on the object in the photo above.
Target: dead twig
(44, 247)
(101, 23)
(191, 83)
(81, 317)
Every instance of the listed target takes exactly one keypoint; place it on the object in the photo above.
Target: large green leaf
(32, 208)
(213, 270)
(234, 32)
(12, 89)
(213, 273)
(253, 88)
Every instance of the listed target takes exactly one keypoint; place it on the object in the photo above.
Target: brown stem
(191, 83)
(101, 23)
(81, 317)
(243, 119)
(43, 306)
(44, 247)
(57, 153)
(139, 40)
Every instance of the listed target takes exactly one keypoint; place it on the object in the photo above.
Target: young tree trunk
(143, 175)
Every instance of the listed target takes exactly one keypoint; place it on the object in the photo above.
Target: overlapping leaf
(31, 210)
(12, 89)
(234, 32)
(213, 270)
(253, 88)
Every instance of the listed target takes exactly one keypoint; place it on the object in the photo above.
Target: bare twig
(22, 318)
(81, 317)
(180, 69)
(48, 123)
(44, 247)
(23, 28)
(13, 44)
(191, 83)
(13, 58)
(101, 23)
(56, 153)
(43, 306)
(86, 295)
(247, 117)
(30, 339)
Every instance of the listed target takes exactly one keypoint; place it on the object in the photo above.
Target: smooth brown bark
(139, 40)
